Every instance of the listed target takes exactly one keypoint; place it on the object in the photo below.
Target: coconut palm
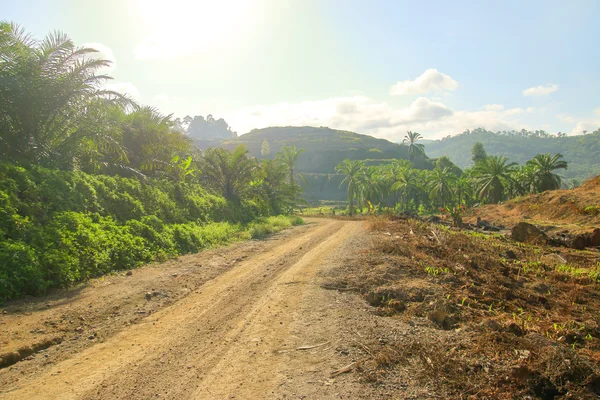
(414, 148)
(492, 177)
(544, 166)
(288, 156)
(352, 169)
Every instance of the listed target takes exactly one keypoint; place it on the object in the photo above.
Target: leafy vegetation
(62, 227)
(91, 182)
(402, 187)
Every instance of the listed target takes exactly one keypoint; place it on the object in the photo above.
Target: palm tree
(524, 181)
(288, 157)
(369, 187)
(48, 89)
(228, 173)
(440, 184)
(270, 186)
(392, 173)
(543, 166)
(414, 148)
(151, 141)
(492, 176)
(352, 169)
(406, 185)
(463, 190)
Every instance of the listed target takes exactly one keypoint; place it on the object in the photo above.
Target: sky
(374, 67)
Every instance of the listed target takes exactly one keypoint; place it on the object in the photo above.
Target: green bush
(58, 228)
(20, 272)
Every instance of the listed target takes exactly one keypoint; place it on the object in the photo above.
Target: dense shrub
(58, 227)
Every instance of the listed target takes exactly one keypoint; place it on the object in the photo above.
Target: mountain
(581, 151)
(324, 149)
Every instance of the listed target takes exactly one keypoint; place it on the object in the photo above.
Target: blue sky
(377, 67)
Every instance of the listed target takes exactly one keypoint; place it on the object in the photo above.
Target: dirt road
(234, 335)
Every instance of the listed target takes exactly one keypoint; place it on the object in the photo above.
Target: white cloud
(589, 126)
(597, 111)
(493, 107)
(542, 90)
(104, 53)
(430, 81)
(565, 118)
(126, 88)
(364, 115)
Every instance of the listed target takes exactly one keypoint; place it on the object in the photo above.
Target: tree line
(92, 182)
(492, 179)
(56, 112)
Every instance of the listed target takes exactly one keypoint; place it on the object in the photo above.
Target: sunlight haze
(378, 68)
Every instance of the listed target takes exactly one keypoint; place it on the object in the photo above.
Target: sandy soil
(249, 321)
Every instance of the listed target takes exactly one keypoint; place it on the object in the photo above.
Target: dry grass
(498, 319)
(576, 210)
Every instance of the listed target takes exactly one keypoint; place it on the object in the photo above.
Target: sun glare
(181, 27)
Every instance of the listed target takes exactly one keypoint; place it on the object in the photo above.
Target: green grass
(591, 273)
(266, 226)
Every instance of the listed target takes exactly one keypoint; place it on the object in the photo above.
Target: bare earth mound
(575, 210)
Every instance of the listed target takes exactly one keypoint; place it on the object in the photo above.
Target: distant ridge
(324, 147)
(581, 151)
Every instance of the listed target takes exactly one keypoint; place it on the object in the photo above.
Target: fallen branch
(343, 370)
(436, 237)
(312, 346)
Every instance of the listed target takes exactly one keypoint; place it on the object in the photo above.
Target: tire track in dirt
(225, 338)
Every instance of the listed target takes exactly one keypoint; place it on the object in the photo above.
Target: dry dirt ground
(249, 321)
(575, 210)
(338, 308)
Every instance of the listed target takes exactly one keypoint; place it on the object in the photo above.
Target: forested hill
(581, 151)
(324, 147)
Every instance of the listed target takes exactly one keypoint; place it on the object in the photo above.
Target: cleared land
(338, 308)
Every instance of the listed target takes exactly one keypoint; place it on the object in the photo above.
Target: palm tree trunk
(350, 198)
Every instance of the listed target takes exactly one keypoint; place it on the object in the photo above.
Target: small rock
(149, 296)
(129, 273)
(492, 325)
(79, 329)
